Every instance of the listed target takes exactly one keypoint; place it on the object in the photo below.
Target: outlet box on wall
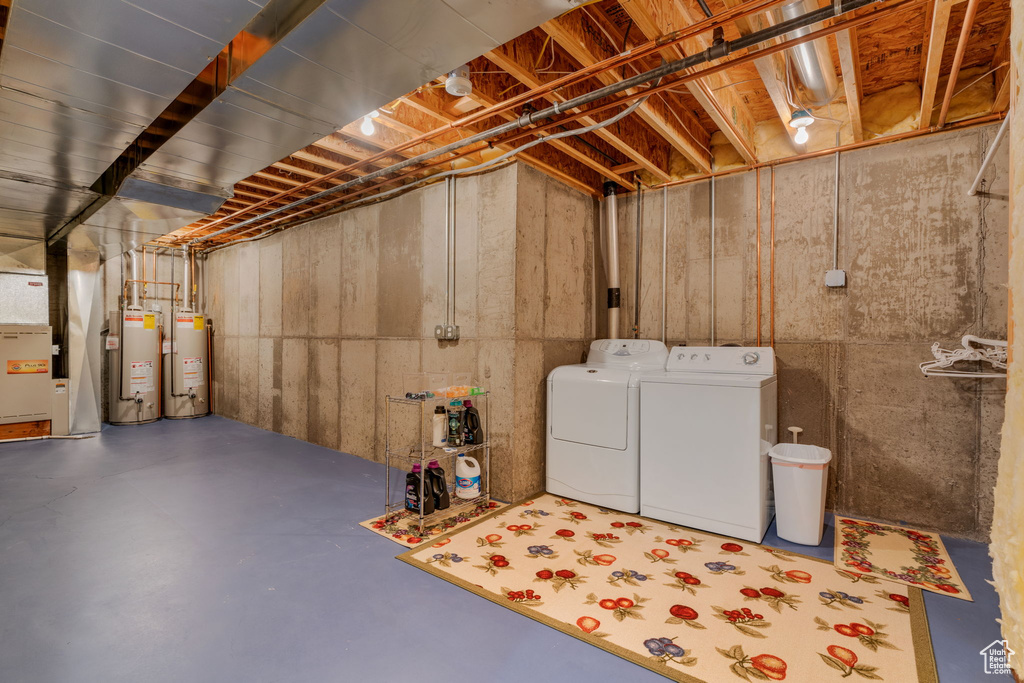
(446, 332)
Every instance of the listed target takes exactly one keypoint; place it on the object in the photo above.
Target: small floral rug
(895, 553)
(403, 526)
(689, 605)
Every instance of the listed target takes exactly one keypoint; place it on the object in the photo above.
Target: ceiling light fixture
(367, 127)
(800, 120)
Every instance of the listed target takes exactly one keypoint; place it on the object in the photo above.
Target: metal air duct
(812, 73)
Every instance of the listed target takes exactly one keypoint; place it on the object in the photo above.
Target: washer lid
(590, 405)
(635, 354)
(742, 360)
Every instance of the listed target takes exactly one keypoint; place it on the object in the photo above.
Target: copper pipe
(883, 140)
(958, 58)
(176, 285)
(748, 57)
(638, 52)
(209, 370)
(757, 183)
(771, 266)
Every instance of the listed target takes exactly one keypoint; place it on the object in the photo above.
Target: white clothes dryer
(593, 427)
(706, 425)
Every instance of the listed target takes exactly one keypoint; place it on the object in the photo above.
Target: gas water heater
(133, 344)
(186, 353)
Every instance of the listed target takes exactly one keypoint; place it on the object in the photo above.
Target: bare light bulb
(801, 135)
(366, 127)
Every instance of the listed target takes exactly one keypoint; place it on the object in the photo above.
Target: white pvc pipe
(49, 436)
(664, 261)
(989, 155)
(612, 259)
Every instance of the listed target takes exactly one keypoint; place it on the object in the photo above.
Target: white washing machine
(593, 435)
(706, 424)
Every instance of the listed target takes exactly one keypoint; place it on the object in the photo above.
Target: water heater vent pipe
(185, 279)
(610, 236)
(133, 258)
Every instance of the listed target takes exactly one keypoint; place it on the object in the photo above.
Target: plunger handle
(795, 431)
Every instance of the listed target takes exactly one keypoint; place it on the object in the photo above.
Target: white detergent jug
(467, 477)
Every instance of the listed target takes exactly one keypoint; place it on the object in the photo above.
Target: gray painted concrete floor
(210, 550)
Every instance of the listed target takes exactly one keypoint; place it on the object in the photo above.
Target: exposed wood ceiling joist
(849, 62)
(588, 47)
(639, 144)
(656, 18)
(941, 10)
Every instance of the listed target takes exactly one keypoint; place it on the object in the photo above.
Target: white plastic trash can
(801, 475)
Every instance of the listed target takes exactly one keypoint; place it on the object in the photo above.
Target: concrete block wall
(924, 263)
(316, 325)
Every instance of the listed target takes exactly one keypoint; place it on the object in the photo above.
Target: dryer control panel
(628, 353)
(748, 360)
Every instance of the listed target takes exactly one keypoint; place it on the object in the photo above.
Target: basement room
(594, 340)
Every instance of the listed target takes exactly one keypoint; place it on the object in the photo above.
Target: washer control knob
(751, 358)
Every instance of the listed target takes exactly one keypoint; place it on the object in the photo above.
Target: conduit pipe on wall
(712, 260)
(989, 156)
(712, 53)
(771, 266)
(757, 195)
(835, 216)
(610, 238)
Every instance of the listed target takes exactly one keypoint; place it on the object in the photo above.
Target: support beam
(849, 62)
(933, 61)
(588, 47)
(958, 58)
(643, 147)
(655, 18)
(1003, 64)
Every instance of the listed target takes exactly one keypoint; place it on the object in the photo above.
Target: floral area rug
(689, 605)
(403, 526)
(895, 553)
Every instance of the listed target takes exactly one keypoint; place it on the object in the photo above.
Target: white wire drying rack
(973, 349)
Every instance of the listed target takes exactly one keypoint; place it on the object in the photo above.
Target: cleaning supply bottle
(455, 423)
(412, 492)
(473, 432)
(438, 485)
(467, 477)
(440, 425)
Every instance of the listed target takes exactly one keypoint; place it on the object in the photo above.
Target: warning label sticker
(193, 372)
(27, 367)
(142, 377)
(149, 321)
(113, 342)
(185, 321)
(199, 321)
(133, 320)
(60, 388)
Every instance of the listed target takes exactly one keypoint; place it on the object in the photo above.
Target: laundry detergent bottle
(412, 491)
(472, 433)
(440, 427)
(455, 423)
(467, 477)
(438, 485)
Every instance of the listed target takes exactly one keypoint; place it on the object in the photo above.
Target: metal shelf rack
(422, 451)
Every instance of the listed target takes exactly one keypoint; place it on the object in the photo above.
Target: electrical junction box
(835, 278)
(446, 332)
